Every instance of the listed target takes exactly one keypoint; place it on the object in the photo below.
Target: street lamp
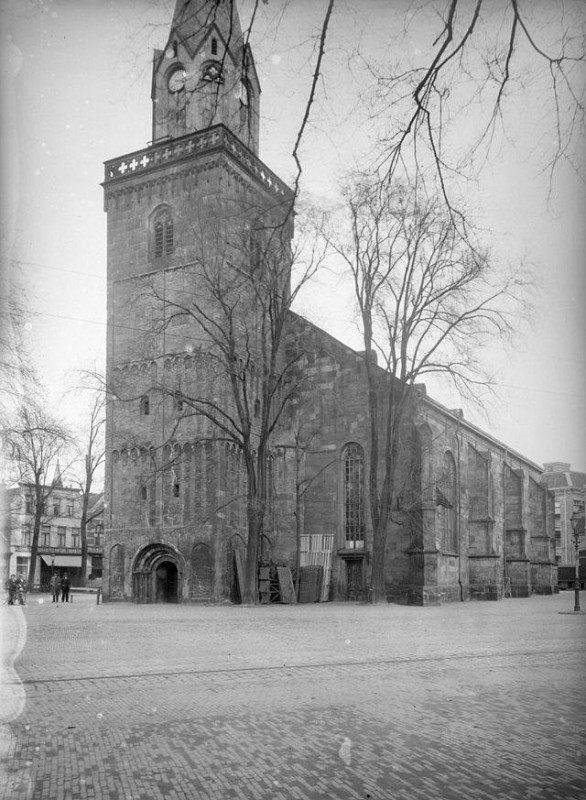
(577, 521)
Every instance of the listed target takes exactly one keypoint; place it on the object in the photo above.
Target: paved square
(332, 701)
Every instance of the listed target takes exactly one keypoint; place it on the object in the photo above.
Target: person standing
(11, 587)
(55, 584)
(65, 585)
(21, 587)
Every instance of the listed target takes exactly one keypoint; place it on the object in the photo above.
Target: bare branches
(316, 76)
(429, 297)
(477, 60)
(33, 442)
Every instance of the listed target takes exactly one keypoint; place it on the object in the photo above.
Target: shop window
(22, 566)
(96, 567)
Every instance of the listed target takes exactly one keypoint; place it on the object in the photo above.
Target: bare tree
(92, 454)
(17, 373)
(448, 105)
(298, 437)
(429, 298)
(233, 306)
(34, 440)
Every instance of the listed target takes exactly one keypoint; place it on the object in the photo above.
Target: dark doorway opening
(355, 588)
(166, 582)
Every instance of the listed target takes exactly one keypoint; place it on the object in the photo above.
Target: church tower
(185, 212)
(205, 75)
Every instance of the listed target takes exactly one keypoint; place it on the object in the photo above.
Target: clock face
(212, 71)
(176, 80)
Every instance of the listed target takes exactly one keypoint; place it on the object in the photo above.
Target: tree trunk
(83, 535)
(35, 544)
(379, 593)
(250, 594)
(384, 496)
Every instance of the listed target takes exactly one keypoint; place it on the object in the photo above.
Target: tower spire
(192, 18)
(205, 75)
(57, 481)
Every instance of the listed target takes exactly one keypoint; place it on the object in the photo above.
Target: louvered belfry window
(164, 243)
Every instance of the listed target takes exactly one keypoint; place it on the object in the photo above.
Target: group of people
(60, 586)
(16, 587)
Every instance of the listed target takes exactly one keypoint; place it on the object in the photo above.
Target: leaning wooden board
(286, 585)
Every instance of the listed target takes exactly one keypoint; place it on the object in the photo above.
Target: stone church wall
(467, 515)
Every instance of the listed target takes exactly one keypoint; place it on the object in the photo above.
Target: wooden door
(354, 580)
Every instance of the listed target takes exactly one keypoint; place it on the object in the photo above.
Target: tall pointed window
(163, 235)
(353, 479)
(446, 502)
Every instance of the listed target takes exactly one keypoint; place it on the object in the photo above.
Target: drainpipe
(458, 525)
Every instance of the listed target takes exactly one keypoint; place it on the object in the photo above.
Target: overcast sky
(76, 74)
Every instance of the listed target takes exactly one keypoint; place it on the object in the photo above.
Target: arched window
(163, 235)
(353, 480)
(446, 500)
(145, 406)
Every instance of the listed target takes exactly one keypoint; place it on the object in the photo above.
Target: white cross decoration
(144, 160)
(123, 167)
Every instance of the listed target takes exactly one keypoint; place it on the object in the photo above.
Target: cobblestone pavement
(327, 701)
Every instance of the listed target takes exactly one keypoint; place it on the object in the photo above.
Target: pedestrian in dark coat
(11, 587)
(21, 587)
(55, 584)
(65, 584)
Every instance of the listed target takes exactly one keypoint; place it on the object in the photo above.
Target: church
(190, 219)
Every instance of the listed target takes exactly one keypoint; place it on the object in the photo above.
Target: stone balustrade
(176, 150)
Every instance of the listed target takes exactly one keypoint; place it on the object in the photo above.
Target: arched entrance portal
(156, 575)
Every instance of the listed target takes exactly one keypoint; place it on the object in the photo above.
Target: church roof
(335, 348)
(567, 479)
(194, 19)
